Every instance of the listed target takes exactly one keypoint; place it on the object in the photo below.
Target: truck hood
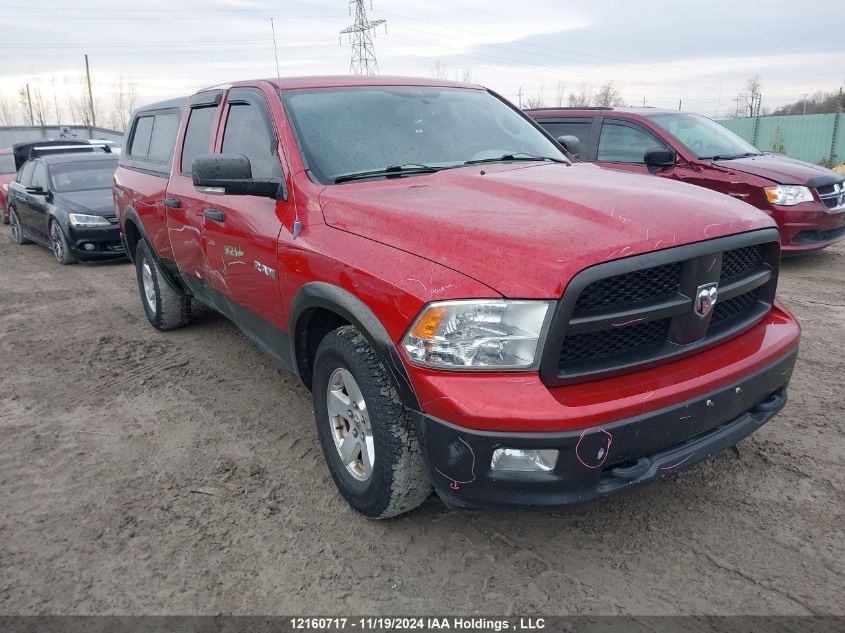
(94, 202)
(524, 230)
(782, 170)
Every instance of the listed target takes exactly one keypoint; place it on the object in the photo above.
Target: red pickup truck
(807, 201)
(471, 311)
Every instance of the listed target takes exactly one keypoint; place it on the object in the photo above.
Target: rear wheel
(166, 307)
(4, 216)
(367, 434)
(58, 244)
(17, 230)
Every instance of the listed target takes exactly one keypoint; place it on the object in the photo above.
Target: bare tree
(439, 70)
(750, 100)
(25, 102)
(39, 105)
(582, 99)
(534, 102)
(125, 100)
(56, 101)
(79, 107)
(560, 94)
(608, 96)
(8, 112)
(468, 77)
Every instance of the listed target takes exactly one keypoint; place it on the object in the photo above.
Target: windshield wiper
(392, 171)
(730, 157)
(516, 156)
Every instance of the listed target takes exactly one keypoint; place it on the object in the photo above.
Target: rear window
(82, 176)
(154, 136)
(7, 164)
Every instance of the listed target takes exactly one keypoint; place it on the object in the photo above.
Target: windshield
(82, 176)
(344, 131)
(704, 137)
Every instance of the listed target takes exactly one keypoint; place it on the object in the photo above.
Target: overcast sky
(662, 51)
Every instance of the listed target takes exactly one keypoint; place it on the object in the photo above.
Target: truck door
(184, 204)
(242, 231)
(17, 193)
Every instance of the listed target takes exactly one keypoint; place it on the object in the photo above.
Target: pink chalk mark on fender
(603, 451)
(685, 459)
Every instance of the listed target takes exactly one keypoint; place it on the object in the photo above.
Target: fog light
(530, 460)
(89, 246)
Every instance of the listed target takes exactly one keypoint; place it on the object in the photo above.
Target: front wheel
(58, 244)
(366, 433)
(17, 229)
(166, 307)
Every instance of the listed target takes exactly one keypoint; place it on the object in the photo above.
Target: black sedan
(64, 202)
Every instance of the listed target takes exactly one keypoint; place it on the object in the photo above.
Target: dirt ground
(180, 473)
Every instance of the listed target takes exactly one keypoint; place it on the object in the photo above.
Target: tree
(534, 102)
(39, 105)
(818, 103)
(468, 77)
(582, 99)
(778, 144)
(25, 102)
(608, 96)
(751, 99)
(125, 100)
(78, 105)
(8, 114)
(439, 70)
(560, 94)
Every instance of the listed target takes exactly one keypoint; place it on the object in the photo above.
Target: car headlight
(788, 195)
(80, 219)
(477, 334)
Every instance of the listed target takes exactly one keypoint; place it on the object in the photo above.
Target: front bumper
(601, 460)
(809, 227)
(105, 240)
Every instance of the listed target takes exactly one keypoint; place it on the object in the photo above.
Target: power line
(360, 33)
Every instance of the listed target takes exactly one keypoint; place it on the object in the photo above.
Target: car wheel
(166, 307)
(5, 216)
(58, 244)
(366, 433)
(17, 230)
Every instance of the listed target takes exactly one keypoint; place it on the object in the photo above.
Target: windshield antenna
(297, 225)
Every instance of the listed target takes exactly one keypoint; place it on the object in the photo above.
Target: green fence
(816, 138)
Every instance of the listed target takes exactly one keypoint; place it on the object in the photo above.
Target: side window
(248, 132)
(39, 176)
(197, 136)
(163, 138)
(582, 128)
(624, 144)
(25, 175)
(141, 136)
(7, 164)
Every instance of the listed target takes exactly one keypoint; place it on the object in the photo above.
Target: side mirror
(36, 191)
(232, 174)
(571, 144)
(658, 158)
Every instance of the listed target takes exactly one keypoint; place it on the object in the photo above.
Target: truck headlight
(788, 195)
(80, 219)
(477, 334)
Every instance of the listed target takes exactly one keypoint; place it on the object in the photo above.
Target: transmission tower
(360, 34)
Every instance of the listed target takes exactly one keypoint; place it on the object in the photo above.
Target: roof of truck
(342, 81)
(569, 111)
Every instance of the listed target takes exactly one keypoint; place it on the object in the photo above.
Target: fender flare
(318, 294)
(129, 213)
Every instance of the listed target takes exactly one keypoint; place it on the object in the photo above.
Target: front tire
(366, 433)
(58, 244)
(166, 307)
(17, 229)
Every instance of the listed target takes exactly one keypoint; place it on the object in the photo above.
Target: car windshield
(411, 129)
(7, 164)
(82, 176)
(704, 137)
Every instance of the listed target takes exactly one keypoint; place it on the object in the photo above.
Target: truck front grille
(638, 311)
(833, 196)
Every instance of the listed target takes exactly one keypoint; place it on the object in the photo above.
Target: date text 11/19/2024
(423, 624)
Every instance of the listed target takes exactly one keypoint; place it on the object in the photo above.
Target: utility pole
(363, 54)
(90, 97)
(519, 96)
(275, 51)
(679, 104)
(805, 103)
(29, 101)
(643, 101)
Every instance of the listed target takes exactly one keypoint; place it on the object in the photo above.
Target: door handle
(173, 203)
(214, 214)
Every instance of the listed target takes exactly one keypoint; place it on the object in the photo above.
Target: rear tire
(366, 433)
(4, 216)
(166, 307)
(17, 230)
(58, 244)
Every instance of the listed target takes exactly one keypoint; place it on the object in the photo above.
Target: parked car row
(473, 311)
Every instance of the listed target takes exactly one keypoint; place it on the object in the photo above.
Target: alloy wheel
(16, 227)
(56, 242)
(350, 424)
(149, 285)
